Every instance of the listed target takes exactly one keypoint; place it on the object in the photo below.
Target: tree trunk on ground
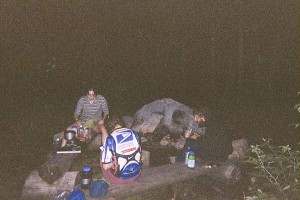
(56, 166)
(37, 188)
(227, 173)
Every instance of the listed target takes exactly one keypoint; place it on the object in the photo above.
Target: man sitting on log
(90, 112)
(120, 159)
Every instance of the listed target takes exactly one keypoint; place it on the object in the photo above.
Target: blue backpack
(98, 188)
(76, 195)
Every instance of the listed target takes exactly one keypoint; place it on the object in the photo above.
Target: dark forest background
(239, 58)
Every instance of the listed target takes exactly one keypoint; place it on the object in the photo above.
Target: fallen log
(169, 174)
(36, 188)
(227, 172)
(56, 166)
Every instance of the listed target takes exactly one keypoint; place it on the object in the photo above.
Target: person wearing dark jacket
(193, 143)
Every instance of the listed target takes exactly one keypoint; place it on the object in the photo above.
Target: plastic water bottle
(80, 130)
(191, 160)
(86, 177)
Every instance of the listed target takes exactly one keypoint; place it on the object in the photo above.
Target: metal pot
(70, 135)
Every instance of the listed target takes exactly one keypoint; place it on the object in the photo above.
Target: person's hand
(195, 136)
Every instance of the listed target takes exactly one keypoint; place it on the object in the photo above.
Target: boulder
(128, 121)
(164, 112)
(240, 149)
(145, 158)
(149, 125)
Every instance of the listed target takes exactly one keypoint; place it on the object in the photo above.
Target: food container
(86, 177)
(70, 135)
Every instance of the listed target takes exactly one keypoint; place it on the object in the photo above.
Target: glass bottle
(86, 177)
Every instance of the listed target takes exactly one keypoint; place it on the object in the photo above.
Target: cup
(187, 133)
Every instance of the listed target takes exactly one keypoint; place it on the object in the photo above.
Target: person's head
(113, 123)
(91, 94)
(199, 116)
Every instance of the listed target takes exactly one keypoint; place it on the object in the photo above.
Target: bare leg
(63, 142)
(97, 128)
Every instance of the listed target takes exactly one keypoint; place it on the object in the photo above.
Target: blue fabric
(98, 188)
(76, 195)
(190, 145)
(130, 170)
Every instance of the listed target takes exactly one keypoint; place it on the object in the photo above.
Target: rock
(145, 158)
(227, 173)
(166, 140)
(160, 132)
(128, 121)
(173, 144)
(164, 112)
(149, 125)
(57, 139)
(180, 143)
(240, 149)
(143, 139)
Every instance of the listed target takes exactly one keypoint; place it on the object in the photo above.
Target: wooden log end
(37, 188)
(50, 173)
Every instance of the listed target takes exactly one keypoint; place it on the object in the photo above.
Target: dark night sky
(216, 53)
(240, 58)
(154, 43)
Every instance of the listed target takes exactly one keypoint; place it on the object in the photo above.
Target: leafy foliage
(276, 171)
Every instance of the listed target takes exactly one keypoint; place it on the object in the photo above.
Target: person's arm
(104, 133)
(107, 166)
(78, 110)
(104, 107)
(106, 159)
(105, 116)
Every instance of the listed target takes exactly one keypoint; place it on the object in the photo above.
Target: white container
(187, 133)
(186, 157)
(191, 160)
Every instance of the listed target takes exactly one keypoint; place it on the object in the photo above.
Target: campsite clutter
(163, 125)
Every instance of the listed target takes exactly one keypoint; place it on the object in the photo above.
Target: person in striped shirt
(91, 111)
